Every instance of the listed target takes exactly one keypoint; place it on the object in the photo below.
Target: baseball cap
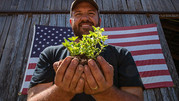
(76, 2)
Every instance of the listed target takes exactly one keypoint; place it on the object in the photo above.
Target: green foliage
(88, 45)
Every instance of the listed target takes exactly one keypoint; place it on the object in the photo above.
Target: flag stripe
(133, 39)
(159, 84)
(24, 91)
(148, 57)
(130, 27)
(30, 71)
(33, 59)
(32, 66)
(125, 44)
(146, 68)
(150, 62)
(28, 77)
(149, 51)
(143, 47)
(132, 35)
(154, 73)
(155, 79)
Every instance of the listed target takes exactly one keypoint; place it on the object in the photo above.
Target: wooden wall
(16, 35)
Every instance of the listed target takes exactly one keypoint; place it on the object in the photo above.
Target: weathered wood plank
(2, 4)
(34, 4)
(4, 34)
(28, 5)
(16, 66)
(7, 5)
(40, 4)
(44, 20)
(176, 4)
(58, 5)
(14, 4)
(21, 5)
(53, 20)
(61, 20)
(35, 20)
(146, 5)
(46, 5)
(7, 60)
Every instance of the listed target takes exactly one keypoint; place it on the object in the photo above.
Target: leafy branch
(91, 45)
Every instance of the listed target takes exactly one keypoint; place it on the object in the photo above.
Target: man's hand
(98, 81)
(68, 75)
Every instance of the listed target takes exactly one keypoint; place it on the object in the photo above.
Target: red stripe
(154, 73)
(132, 35)
(125, 44)
(24, 91)
(142, 52)
(31, 65)
(150, 62)
(159, 84)
(130, 27)
(28, 77)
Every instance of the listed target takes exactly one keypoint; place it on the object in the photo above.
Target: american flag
(142, 41)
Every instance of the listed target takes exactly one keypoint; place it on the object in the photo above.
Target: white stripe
(155, 79)
(33, 60)
(26, 84)
(30, 72)
(132, 39)
(152, 67)
(148, 57)
(144, 47)
(132, 31)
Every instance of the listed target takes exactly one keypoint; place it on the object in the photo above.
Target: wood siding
(16, 32)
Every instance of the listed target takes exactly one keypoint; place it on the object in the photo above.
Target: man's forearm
(114, 94)
(53, 93)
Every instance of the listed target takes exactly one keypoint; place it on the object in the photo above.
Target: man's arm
(68, 82)
(47, 92)
(100, 85)
(123, 94)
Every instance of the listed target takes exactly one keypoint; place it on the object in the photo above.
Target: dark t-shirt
(125, 71)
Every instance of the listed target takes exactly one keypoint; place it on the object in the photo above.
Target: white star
(35, 45)
(49, 31)
(56, 31)
(37, 32)
(41, 30)
(43, 45)
(51, 39)
(38, 49)
(45, 33)
(69, 30)
(47, 42)
(56, 37)
(68, 35)
(55, 43)
(53, 34)
(41, 36)
(45, 28)
(44, 39)
(60, 40)
(48, 36)
(40, 42)
(61, 29)
(38, 27)
(34, 52)
(60, 34)
(64, 32)
(53, 29)
(36, 39)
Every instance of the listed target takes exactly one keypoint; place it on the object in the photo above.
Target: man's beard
(84, 31)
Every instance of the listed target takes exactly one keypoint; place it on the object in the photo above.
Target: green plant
(90, 45)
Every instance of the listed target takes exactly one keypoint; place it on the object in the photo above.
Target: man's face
(84, 16)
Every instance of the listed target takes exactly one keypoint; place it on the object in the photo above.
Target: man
(59, 77)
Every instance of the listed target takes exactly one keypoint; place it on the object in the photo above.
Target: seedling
(89, 47)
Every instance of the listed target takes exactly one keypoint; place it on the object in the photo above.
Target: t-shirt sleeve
(44, 71)
(128, 73)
